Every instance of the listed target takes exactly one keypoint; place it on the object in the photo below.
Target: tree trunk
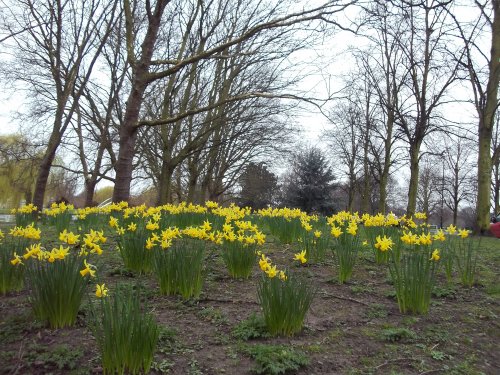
(483, 179)
(165, 191)
(89, 192)
(45, 165)
(384, 178)
(413, 184)
(140, 81)
(486, 121)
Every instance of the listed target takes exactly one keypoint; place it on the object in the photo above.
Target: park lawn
(353, 328)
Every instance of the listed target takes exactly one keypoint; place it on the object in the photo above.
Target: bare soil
(350, 329)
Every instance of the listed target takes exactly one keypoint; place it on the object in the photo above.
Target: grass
(275, 359)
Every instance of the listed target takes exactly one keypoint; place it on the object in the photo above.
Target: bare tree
(484, 76)
(146, 68)
(55, 45)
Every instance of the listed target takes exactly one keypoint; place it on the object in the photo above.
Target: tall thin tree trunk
(413, 183)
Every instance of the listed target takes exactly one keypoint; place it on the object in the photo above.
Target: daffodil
(152, 225)
(425, 239)
(435, 255)
(113, 222)
(101, 291)
(463, 233)
(301, 257)
(451, 229)
(384, 243)
(439, 236)
(17, 260)
(336, 231)
(87, 270)
(264, 263)
(271, 271)
(132, 227)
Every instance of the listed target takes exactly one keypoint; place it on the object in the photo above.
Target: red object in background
(495, 229)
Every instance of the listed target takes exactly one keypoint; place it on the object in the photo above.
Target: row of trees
(187, 89)
(418, 56)
(185, 94)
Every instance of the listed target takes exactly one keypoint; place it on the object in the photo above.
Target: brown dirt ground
(343, 332)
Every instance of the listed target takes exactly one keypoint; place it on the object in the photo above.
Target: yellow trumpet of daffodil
(101, 291)
(301, 257)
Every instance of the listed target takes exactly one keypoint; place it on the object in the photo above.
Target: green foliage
(56, 289)
(61, 357)
(252, 328)
(19, 163)
(213, 315)
(397, 334)
(441, 292)
(413, 274)
(316, 242)
(345, 249)
(126, 337)
(239, 258)
(287, 230)
(466, 256)
(11, 276)
(132, 247)
(179, 269)
(376, 310)
(284, 303)
(275, 359)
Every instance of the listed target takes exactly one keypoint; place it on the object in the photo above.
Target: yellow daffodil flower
(435, 255)
(101, 291)
(271, 271)
(439, 236)
(336, 231)
(425, 239)
(463, 233)
(451, 229)
(383, 244)
(113, 222)
(17, 260)
(87, 270)
(301, 257)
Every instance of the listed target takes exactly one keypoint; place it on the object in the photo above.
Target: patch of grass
(438, 355)
(163, 367)
(410, 320)
(252, 328)
(493, 289)
(275, 359)
(376, 310)
(391, 294)
(213, 315)
(360, 289)
(397, 334)
(443, 291)
(61, 357)
(166, 340)
(437, 334)
(194, 367)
